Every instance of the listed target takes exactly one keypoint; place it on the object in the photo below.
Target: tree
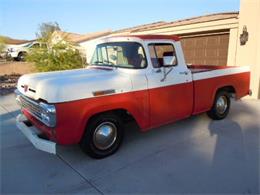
(46, 30)
(54, 56)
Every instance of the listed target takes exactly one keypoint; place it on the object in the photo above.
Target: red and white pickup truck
(144, 78)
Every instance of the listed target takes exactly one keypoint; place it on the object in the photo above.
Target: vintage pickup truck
(143, 78)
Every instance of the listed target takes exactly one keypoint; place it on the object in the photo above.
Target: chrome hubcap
(105, 135)
(221, 104)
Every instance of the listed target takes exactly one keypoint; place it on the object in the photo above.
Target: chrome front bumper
(32, 135)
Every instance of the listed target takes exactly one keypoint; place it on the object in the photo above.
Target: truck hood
(69, 85)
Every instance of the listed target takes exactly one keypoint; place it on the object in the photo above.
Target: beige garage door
(206, 50)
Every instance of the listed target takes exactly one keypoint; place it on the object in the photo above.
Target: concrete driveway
(196, 155)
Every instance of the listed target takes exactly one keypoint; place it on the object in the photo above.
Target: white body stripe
(220, 72)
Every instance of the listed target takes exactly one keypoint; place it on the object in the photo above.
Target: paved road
(195, 155)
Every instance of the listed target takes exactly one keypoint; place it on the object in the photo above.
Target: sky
(21, 18)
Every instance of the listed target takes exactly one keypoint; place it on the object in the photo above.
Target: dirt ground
(9, 74)
(7, 68)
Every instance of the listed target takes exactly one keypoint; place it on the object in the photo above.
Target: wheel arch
(228, 88)
(122, 112)
(22, 52)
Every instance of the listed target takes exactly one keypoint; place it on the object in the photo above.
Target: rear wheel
(220, 108)
(103, 136)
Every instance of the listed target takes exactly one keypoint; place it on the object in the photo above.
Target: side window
(160, 50)
(36, 45)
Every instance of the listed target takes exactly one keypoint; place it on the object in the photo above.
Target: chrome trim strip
(104, 92)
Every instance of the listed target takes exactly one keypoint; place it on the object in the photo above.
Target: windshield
(28, 44)
(120, 54)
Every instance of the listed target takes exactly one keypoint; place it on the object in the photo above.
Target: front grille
(31, 106)
(46, 113)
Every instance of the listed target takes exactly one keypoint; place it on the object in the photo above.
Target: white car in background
(19, 52)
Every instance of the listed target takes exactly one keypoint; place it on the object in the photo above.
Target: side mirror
(169, 60)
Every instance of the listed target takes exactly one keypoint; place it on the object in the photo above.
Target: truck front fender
(72, 117)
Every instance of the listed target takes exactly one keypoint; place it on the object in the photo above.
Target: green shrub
(59, 56)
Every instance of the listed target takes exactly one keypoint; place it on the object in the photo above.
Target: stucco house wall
(249, 54)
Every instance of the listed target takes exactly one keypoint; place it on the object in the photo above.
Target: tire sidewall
(21, 56)
(219, 115)
(88, 143)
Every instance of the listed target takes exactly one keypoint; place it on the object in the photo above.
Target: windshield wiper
(98, 62)
(104, 63)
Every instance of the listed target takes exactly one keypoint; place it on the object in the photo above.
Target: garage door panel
(199, 53)
(223, 62)
(200, 42)
(223, 53)
(206, 49)
(211, 53)
(212, 61)
(224, 39)
(211, 41)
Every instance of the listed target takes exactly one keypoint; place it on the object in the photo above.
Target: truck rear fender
(229, 88)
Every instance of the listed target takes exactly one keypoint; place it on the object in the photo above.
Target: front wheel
(21, 56)
(220, 108)
(103, 136)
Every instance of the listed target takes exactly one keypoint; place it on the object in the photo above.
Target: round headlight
(48, 114)
(45, 118)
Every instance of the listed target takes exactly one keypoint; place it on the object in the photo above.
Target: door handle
(184, 72)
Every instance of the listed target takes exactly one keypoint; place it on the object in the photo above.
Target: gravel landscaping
(8, 83)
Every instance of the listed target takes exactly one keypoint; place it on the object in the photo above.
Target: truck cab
(157, 67)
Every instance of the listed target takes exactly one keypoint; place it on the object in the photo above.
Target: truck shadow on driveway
(235, 161)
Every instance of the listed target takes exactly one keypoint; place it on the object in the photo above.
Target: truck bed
(207, 79)
(205, 68)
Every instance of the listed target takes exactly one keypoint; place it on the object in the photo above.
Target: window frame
(162, 43)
